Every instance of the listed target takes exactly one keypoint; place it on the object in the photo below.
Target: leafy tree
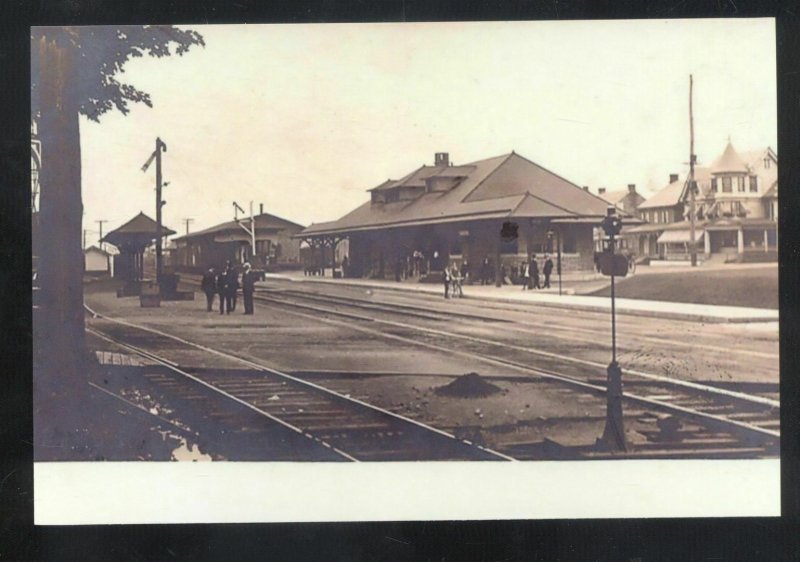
(74, 71)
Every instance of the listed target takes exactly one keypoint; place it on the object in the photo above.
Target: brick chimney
(601, 190)
(261, 208)
(441, 159)
(631, 188)
(586, 188)
(673, 178)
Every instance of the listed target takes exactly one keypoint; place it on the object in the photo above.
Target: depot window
(714, 185)
(726, 185)
(753, 184)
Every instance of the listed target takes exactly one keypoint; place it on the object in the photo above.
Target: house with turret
(735, 211)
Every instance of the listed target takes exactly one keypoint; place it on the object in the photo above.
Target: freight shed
(490, 214)
(275, 247)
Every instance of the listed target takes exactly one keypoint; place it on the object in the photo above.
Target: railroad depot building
(736, 211)
(275, 247)
(497, 209)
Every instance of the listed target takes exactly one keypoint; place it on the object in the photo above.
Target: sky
(306, 118)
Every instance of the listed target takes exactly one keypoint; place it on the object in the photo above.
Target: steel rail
(760, 431)
(259, 367)
(635, 372)
(172, 367)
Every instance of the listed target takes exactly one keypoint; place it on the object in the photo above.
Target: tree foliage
(101, 53)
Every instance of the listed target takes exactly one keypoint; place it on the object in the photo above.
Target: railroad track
(350, 428)
(749, 419)
(752, 419)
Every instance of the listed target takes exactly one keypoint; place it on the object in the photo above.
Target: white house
(97, 262)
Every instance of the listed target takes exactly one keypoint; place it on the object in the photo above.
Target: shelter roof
(140, 230)
(502, 186)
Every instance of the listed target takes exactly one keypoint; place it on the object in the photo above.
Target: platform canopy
(136, 234)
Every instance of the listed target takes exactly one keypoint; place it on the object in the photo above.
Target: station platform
(550, 298)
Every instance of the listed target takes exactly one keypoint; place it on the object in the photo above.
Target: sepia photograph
(263, 251)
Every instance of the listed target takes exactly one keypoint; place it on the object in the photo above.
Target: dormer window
(766, 162)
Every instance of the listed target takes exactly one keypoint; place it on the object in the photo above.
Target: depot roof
(500, 187)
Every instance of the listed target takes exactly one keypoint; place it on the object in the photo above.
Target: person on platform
(345, 267)
(209, 286)
(535, 272)
(222, 278)
(456, 280)
(446, 278)
(547, 269)
(248, 288)
(485, 269)
(526, 275)
(464, 271)
(231, 289)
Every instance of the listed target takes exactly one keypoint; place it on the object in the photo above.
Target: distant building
(97, 262)
(275, 246)
(495, 210)
(736, 211)
(628, 200)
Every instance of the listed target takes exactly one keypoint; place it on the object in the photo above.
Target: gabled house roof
(264, 222)
(502, 186)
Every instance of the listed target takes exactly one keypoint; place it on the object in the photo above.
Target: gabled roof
(665, 197)
(140, 224)
(502, 186)
(730, 161)
(614, 197)
(95, 249)
(264, 221)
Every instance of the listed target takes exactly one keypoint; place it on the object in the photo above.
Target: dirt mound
(471, 385)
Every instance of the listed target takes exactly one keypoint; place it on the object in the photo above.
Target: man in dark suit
(548, 269)
(209, 287)
(222, 279)
(248, 288)
(231, 289)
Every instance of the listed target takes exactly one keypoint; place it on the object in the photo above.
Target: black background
(629, 540)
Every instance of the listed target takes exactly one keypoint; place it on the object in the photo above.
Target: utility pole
(252, 229)
(100, 222)
(160, 147)
(84, 238)
(186, 222)
(692, 184)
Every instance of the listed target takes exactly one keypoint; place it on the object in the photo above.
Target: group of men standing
(226, 284)
(530, 273)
